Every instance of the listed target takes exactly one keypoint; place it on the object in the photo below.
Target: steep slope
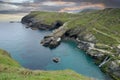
(11, 70)
(104, 23)
(97, 33)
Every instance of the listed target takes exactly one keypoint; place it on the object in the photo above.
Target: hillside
(11, 70)
(97, 33)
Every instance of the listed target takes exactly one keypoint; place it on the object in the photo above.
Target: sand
(12, 17)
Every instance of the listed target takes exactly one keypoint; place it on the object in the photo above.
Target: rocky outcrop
(51, 41)
(112, 68)
(56, 59)
(100, 53)
(54, 39)
(32, 22)
(88, 43)
(106, 55)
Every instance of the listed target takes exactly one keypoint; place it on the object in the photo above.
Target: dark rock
(83, 46)
(14, 22)
(30, 21)
(50, 41)
(56, 25)
(26, 19)
(56, 59)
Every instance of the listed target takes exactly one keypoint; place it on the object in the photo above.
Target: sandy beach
(12, 17)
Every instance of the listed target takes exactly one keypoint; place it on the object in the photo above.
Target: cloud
(107, 3)
(17, 1)
(8, 7)
(58, 3)
(82, 7)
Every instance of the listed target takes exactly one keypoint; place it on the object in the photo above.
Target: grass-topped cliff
(97, 33)
(51, 17)
(103, 24)
(11, 70)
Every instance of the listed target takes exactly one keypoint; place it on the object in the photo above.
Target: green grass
(106, 22)
(11, 70)
(103, 24)
(51, 17)
(6, 59)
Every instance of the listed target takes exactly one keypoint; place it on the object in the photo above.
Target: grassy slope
(51, 17)
(104, 24)
(11, 70)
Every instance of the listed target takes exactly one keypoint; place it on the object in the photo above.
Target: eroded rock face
(96, 54)
(56, 24)
(87, 37)
(79, 32)
(113, 68)
(31, 22)
(54, 39)
(74, 33)
(83, 46)
(51, 42)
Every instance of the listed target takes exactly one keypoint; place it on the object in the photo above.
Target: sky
(15, 6)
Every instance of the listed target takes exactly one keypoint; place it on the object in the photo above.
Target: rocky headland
(97, 33)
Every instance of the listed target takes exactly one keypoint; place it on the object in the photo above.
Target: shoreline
(12, 17)
(97, 43)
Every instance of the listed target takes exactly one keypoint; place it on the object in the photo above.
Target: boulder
(56, 59)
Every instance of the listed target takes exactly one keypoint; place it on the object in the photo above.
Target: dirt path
(106, 35)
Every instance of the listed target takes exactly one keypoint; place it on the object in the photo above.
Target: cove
(24, 46)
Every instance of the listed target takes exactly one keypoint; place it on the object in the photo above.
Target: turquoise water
(24, 46)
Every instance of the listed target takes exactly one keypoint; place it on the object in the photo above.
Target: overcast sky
(7, 6)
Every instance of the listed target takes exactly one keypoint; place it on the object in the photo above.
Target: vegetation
(51, 17)
(103, 25)
(11, 70)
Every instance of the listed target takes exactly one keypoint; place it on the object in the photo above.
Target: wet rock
(51, 42)
(56, 59)
(54, 39)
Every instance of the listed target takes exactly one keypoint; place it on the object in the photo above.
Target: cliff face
(97, 33)
(46, 20)
(11, 70)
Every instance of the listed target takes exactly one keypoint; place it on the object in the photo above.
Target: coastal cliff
(97, 33)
